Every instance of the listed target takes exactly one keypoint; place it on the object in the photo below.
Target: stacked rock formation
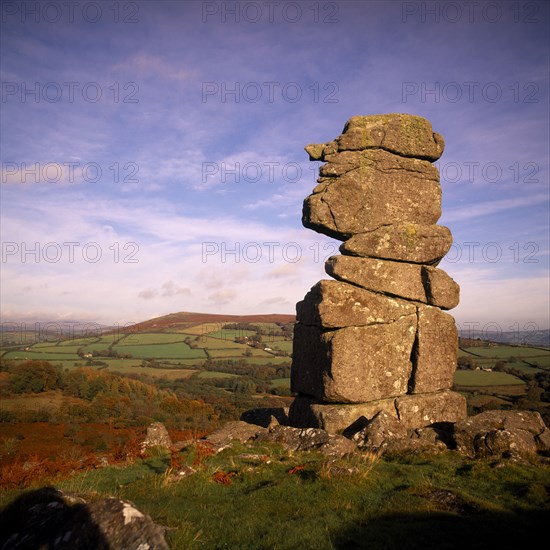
(376, 338)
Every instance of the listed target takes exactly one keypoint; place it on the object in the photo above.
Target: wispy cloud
(488, 208)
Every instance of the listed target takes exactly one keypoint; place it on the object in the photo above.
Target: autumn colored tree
(34, 376)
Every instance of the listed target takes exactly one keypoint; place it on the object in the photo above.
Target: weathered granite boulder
(48, 518)
(376, 341)
(503, 443)
(435, 352)
(297, 439)
(386, 434)
(336, 418)
(543, 441)
(415, 282)
(157, 436)
(235, 431)
(383, 190)
(413, 411)
(404, 134)
(494, 433)
(380, 432)
(426, 409)
(335, 304)
(405, 242)
(353, 364)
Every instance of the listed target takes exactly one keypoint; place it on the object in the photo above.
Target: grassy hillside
(260, 497)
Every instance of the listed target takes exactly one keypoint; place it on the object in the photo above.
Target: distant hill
(525, 338)
(184, 319)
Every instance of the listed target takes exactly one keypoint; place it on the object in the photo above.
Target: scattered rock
(380, 432)
(297, 439)
(48, 518)
(157, 436)
(234, 431)
(543, 441)
(386, 434)
(499, 433)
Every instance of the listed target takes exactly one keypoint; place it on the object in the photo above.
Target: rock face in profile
(380, 189)
(376, 340)
(403, 134)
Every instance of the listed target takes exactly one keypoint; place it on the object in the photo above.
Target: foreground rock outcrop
(49, 518)
(376, 339)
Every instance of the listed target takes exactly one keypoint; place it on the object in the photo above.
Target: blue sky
(168, 141)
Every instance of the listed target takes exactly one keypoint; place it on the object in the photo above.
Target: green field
(150, 338)
(266, 360)
(541, 360)
(40, 356)
(283, 345)
(45, 345)
(216, 374)
(524, 367)
(150, 371)
(483, 378)
(226, 353)
(71, 350)
(228, 334)
(502, 352)
(160, 351)
(217, 343)
(121, 362)
(203, 328)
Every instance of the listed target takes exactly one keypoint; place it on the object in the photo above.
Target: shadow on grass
(445, 531)
(42, 519)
